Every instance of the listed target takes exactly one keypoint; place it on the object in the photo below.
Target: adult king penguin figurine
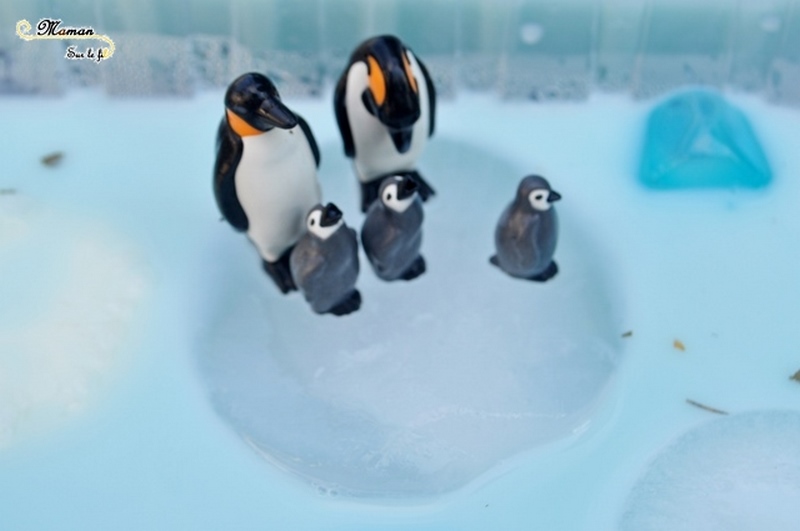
(385, 106)
(265, 176)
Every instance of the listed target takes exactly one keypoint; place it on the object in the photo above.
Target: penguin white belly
(375, 151)
(276, 183)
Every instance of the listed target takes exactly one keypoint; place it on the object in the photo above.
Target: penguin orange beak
(553, 197)
(330, 215)
(277, 114)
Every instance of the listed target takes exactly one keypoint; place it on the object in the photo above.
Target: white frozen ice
(433, 381)
(736, 473)
(69, 293)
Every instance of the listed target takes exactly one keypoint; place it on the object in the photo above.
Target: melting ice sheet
(736, 473)
(433, 381)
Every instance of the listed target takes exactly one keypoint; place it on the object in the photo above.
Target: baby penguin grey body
(392, 232)
(526, 234)
(324, 263)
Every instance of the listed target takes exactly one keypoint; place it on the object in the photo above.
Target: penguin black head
(398, 192)
(392, 93)
(254, 106)
(323, 221)
(534, 192)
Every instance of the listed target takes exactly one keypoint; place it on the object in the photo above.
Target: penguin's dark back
(229, 153)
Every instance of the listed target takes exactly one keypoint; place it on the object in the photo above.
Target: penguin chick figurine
(265, 176)
(392, 231)
(525, 237)
(324, 262)
(385, 105)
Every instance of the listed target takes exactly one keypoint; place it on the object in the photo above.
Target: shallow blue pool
(152, 377)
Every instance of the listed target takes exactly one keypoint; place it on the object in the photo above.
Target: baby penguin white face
(316, 224)
(391, 197)
(540, 199)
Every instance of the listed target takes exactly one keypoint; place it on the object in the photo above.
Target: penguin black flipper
(431, 96)
(229, 153)
(312, 142)
(341, 116)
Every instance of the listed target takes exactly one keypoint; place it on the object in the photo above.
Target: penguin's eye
(377, 83)
(313, 222)
(388, 197)
(539, 197)
(411, 79)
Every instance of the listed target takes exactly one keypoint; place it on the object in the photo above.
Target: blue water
(115, 427)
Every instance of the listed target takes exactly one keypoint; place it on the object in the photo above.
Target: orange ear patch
(377, 83)
(411, 79)
(239, 126)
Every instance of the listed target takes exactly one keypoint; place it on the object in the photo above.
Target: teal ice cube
(697, 139)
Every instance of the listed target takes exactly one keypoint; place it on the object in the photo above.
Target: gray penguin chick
(392, 231)
(526, 234)
(324, 263)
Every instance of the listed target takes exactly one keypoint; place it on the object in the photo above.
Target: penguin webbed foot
(349, 305)
(280, 273)
(547, 274)
(550, 271)
(415, 269)
(424, 189)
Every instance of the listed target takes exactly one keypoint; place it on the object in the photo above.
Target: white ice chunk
(736, 473)
(69, 292)
(432, 382)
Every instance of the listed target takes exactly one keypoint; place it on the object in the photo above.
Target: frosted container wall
(536, 49)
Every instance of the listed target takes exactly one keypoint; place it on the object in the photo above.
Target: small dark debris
(678, 344)
(7, 191)
(705, 407)
(485, 506)
(795, 377)
(53, 159)
(629, 333)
